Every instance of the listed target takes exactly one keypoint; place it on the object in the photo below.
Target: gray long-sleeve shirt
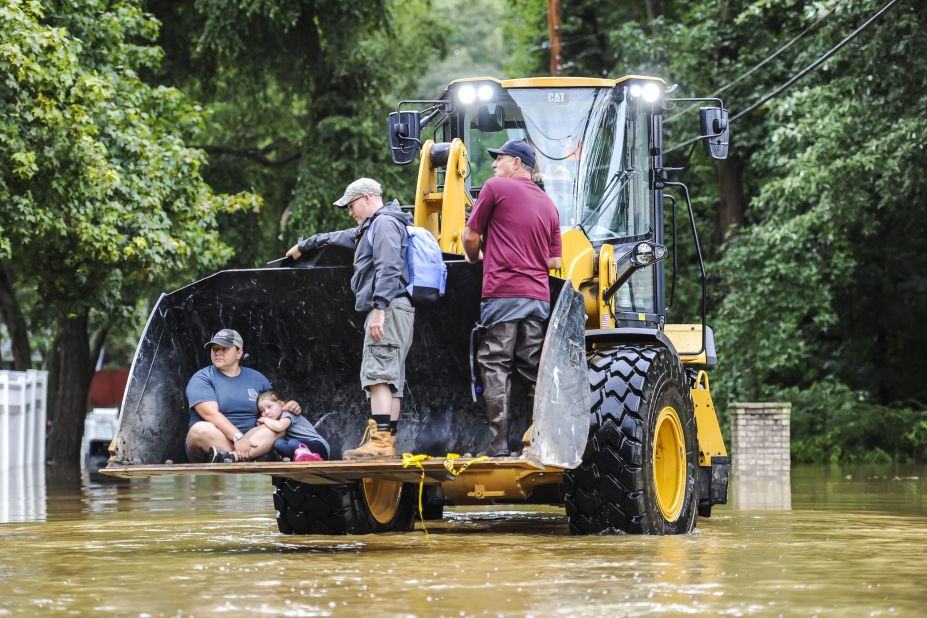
(380, 270)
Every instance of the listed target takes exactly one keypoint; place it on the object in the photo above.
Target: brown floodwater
(839, 541)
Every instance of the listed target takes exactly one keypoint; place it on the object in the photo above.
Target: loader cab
(593, 140)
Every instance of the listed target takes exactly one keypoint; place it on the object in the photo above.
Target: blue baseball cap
(516, 148)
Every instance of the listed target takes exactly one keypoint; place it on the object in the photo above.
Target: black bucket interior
(301, 331)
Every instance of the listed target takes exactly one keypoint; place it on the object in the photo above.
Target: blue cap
(516, 148)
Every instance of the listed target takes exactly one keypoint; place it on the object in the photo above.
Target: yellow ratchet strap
(408, 459)
(449, 463)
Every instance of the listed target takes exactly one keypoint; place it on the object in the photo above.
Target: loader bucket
(301, 330)
(561, 401)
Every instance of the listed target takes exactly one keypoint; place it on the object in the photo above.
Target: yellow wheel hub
(382, 498)
(669, 464)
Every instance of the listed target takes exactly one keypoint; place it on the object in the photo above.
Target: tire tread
(607, 493)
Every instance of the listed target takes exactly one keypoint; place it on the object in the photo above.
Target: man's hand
(243, 450)
(292, 406)
(479, 258)
(294, 253)
(303, 245)
(375, 327)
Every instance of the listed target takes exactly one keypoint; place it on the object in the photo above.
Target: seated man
(223, 406)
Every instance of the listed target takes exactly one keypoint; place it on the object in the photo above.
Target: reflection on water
(750, 492)
(22, 493)
(852, 544)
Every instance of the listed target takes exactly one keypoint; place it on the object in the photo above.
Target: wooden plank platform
(329, 472)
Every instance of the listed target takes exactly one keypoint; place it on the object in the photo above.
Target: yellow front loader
(623, 431)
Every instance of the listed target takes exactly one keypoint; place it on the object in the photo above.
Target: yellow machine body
(443, 209)
(444, 197)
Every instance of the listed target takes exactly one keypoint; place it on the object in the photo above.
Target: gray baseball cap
(226, 338)
(357, 189)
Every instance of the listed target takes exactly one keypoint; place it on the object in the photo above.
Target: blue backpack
(427, 270)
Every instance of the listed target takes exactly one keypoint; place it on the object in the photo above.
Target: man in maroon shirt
(520, 227)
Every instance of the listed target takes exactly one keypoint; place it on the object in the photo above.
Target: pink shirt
(521, 231)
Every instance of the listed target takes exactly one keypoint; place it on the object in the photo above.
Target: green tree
(102, 197)
(297, 94)
(817, 294)
(475, 46)
(834, 290)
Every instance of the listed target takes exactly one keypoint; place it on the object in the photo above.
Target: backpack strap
(405, 258)
(369, 232)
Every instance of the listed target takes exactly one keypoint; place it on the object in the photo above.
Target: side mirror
(490, 121)
(404, 132)
(714, 128)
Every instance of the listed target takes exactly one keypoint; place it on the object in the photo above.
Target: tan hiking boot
(374, 444)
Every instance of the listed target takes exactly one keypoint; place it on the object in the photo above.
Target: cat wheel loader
(621, 431)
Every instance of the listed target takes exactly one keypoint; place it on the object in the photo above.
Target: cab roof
(556, 82)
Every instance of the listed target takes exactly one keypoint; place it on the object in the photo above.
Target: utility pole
(553, 31)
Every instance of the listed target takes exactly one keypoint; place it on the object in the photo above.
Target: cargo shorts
(384, 361)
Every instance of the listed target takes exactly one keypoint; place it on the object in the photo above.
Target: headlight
(643, 253)
(484, 92)
(647, 253)
(635, 90)
(651, 92)
(466, 94)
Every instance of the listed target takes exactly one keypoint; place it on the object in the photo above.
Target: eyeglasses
(351, 203)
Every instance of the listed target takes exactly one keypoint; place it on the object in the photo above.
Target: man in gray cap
(223, 406)
(379, 242)
(520, 230)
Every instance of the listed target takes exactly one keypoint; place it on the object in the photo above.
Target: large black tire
(303, 508)
(433, 500)
(615, 489)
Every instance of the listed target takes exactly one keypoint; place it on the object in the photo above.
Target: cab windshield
(592, 153)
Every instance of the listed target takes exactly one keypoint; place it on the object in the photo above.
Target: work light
(466, 94)
(651, 92)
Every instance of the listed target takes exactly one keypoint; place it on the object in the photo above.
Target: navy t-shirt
(236, 396)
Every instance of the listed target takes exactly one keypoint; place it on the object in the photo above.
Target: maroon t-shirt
(521, 231)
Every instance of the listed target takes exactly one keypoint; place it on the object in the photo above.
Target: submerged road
(852, 543)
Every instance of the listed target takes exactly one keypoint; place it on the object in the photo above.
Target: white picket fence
(23, 399)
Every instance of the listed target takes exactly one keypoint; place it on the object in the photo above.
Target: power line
(816, 63)
(778, 51)
(762, 63)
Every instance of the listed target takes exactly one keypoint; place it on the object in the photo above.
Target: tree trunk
(731, 186)
(730, 171)
(653, 9)
(51, 366)
(15, 323)
(69, 400)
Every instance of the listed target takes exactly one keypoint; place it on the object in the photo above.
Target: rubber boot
(374, 445)
(498, 412)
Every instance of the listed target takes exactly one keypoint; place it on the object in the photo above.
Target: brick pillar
(760, 455)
